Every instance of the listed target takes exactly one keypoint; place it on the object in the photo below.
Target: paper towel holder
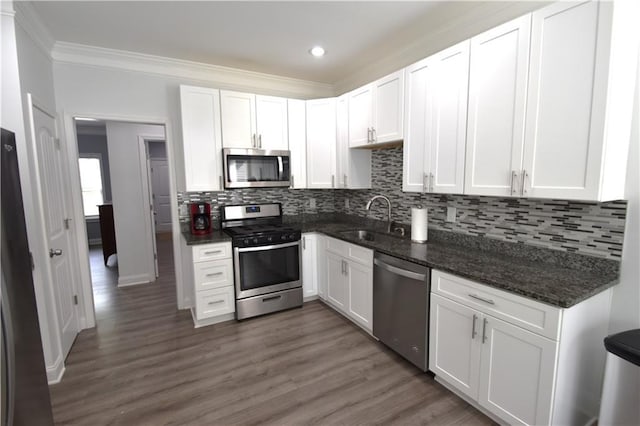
(419, 225)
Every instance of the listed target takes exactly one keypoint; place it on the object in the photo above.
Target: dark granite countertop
(216, 236)
(558, 278)
(554, 277)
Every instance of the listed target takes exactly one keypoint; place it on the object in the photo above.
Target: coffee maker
(200, 218)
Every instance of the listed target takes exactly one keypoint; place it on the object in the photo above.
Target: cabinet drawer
(526, 313)
(350, 251)
(211, 303)
(211, 252)
(213, 274)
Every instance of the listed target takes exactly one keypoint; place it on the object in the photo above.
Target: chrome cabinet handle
(215, 302)
(346, 267)
(368, 134)
(213, 274)
(304, 243)
(292, 182)
(514, 175)
(55, 252)
(473, 327)
(525, 175)
(484, 330)
(253, 140)
(213, 251)
(425, 183)
(431, 182)
(259, 141)
(333, 181)
(373, 135)
(482, 299)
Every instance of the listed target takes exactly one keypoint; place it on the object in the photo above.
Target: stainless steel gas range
(266, 259)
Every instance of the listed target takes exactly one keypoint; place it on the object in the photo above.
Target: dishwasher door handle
(400, 271)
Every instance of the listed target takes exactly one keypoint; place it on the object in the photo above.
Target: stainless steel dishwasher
(401, 307)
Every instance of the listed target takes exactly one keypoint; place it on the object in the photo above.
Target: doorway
(123, 253)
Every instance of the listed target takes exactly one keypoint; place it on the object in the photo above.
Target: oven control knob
(255, 241)
(246, 241)
(283, 237)
(270, 239)
(292, 237)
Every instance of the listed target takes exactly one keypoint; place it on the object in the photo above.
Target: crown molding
(220, 76)
(30, 22)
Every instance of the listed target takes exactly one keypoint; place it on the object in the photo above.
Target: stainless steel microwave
(256, 168)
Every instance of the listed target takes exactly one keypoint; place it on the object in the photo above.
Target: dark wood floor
(145, 364)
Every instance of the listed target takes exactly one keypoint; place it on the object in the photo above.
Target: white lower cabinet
(208, 270)
(479, 346)
(348, 270)
(309, 266)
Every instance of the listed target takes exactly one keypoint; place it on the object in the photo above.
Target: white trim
(149, 225)
(56, 371)
(222, 77)
(28, 20)
(127, 281)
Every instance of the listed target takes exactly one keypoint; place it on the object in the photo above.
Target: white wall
(131, 217)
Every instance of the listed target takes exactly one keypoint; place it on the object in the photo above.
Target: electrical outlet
(312, 203)
(346, 203)
(451, 214)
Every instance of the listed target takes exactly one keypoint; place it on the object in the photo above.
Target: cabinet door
(309, 266)
(321, 143)
(448, 100)
(360, 116)
(563, 150)
(497, 96)
(321, 251)
(337, 292)
(353, 166)
(297, 142)
(238, 119)
(201, 138)
(360, 283)
(454, 344)
(271, 123)
(517, 373)
(416, 150)
(388, 108)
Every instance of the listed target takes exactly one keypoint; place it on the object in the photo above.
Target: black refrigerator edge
(25, 392)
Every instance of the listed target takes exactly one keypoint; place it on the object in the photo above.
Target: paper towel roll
(419, 225)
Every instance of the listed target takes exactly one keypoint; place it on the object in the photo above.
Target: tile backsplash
(594, 229)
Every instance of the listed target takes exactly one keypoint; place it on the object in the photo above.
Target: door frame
(148, 204)
(88, 320)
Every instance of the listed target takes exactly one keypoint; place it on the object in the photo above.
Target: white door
(562, 145)
(201, 138)
(296, 112)
(416, 150)
(517, 373)
(388, 107)
(321, 143)
(271, 124)
(336, 285)
(161, 194)
(309, 266)
(51, 162)
(360, 284)
(454, 344)
(238, 119)
(360, 116)
(497, 96)
(447, 98)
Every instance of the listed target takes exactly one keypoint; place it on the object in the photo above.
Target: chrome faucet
(368, 207)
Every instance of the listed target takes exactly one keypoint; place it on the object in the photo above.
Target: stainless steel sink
(360, 234)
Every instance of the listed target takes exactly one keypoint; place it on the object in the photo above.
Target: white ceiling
(268, 37)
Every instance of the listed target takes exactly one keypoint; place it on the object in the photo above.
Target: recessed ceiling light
(85, 119)
(317, 51)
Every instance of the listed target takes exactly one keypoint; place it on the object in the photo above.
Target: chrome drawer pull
(473, 326)
(215, 302)
(489, 301)
(213, 252)
(484, 330)
(214, 274)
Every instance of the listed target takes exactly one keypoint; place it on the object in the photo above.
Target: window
(91, 182)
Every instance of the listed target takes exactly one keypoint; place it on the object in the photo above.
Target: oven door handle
(271, 247)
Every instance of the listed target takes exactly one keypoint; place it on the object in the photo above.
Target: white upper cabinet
(321, 143)
(376, 112)
(436, 112)
(565, 141)
(238, 119)
(353, 168)
(298, 142)
(254, 121)
(201, 138)
(272, 123)
(496, 113)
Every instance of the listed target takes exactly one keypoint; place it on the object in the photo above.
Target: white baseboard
(55, 371)
(310, 298)
(125, 281)
(211, 321)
